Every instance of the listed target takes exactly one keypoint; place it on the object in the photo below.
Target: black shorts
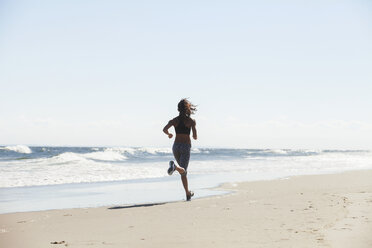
(181, 152)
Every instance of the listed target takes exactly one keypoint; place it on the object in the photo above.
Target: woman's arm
(194, 132)
(165, 129)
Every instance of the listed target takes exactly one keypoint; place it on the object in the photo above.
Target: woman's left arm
(194, 132)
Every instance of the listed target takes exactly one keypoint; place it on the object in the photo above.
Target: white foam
(279, 151)
(195, 150)
(111, 164)
(128, 150)
(57, 170)
(18, 148)
(66, 157)
(155, 150)
(105, 156)
(140, 150)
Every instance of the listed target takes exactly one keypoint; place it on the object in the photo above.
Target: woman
(183, 124)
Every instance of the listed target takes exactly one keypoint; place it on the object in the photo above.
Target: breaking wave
(25, 166)
(18, 148)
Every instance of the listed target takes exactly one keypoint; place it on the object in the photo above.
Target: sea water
(40, 178)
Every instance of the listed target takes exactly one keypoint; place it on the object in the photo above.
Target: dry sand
(305, 211)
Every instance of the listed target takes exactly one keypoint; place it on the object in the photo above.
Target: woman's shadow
(137, 206)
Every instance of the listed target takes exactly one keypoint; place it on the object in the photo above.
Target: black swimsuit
(181, 128)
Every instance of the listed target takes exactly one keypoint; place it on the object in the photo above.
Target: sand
(306, 211)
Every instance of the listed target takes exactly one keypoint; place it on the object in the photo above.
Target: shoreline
(135, 192)
(328, 210)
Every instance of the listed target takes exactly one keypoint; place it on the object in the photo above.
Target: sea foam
(61, 165)
(18, 148)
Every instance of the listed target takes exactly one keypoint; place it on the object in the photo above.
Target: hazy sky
(264, 74)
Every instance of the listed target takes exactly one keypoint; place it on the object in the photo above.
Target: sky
(264, 74)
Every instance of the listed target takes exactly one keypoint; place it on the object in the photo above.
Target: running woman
(183, 124)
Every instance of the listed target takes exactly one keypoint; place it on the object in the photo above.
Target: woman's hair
(186, 108)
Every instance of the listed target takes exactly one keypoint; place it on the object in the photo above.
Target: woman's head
(186, 108)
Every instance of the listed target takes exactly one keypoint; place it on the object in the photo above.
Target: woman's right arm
(165, 129)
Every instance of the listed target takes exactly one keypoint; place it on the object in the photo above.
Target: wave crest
(18, 148)
(140, 150)
(101, 156)
(105, 156)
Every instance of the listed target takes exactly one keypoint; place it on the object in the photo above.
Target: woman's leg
(184, 163)
(179, 168)
(177, 155)
(181, 153)
(185, 183)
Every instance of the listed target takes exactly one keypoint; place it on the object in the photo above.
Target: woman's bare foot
(189, 195)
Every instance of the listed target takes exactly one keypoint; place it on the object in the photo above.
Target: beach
(264, 104)
(303, 211)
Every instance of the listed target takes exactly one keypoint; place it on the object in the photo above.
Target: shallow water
(40, 178)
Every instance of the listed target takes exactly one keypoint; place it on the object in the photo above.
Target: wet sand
(305, 211)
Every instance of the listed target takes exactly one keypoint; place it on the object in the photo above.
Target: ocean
(40, 178)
